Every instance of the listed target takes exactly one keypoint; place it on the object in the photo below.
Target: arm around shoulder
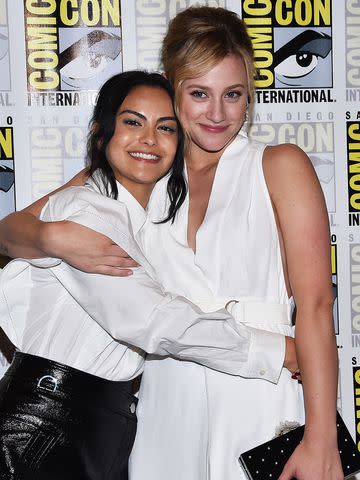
(22, 234)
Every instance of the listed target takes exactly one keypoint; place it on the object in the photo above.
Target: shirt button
(133, 408)
(262, 372)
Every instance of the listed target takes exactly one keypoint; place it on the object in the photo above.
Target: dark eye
(302, 54)
(131, 122)
(168, 128)
(298, 65)
(198, 94)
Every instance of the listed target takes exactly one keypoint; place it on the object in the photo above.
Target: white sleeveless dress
(194, 422)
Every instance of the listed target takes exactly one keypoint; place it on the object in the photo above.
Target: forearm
(20, 235)
(318, 361)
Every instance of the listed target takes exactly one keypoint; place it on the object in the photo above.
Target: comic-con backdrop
(54, 55)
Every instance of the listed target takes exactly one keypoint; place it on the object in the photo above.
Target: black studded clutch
(266, 461)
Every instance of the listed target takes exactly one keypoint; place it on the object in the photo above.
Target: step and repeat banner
(54, 56)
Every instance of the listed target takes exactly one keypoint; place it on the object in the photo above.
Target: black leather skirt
(58, 423)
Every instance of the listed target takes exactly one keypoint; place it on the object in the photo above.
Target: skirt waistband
(30, 372)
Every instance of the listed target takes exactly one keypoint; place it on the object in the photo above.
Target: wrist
(290, 360)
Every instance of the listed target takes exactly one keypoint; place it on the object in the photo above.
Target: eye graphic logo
(302, 58)
(90, 60)
(292, 41)
(7, 178)
(72, 48)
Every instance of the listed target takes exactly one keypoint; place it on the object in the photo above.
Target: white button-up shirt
(103, 324)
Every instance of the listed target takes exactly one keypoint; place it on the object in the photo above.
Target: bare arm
(301, 211)
(22, 234)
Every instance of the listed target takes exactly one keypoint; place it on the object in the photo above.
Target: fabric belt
(38, 374)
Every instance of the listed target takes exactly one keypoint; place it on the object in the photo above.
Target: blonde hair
(197, 39)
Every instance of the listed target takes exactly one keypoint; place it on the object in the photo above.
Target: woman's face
(212, 107)
(144, 143)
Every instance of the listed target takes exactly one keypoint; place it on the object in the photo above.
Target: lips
(145, 156)
(213, 129)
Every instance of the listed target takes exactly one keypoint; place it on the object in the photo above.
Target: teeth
(147, 156)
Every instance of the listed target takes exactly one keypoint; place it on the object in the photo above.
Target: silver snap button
(262, 372)
(133, 408)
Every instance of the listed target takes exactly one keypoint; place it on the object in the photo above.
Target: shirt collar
(137, 214)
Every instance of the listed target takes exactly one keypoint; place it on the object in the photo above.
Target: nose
(216, 111)
(148, 136)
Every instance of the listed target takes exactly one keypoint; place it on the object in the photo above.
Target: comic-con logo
(353, 171)
(356, 378)
(7, 175)
(355, 293)
(4, 48)
(315, 138)
(71, 46)
(56, 153)
(292, 42)
(352, 53)
(334, 283)
(151, 21)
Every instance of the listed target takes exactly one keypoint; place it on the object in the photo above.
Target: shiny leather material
(57, 423)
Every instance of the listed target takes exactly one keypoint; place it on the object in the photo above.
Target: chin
(215, 146)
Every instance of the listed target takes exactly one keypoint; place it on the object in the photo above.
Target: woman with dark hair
(66, 404)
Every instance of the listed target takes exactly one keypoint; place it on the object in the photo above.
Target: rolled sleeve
(266, 355)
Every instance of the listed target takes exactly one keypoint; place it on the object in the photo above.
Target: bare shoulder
(287, 168)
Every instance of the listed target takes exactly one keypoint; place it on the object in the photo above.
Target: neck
(141, 192)
(198, 159)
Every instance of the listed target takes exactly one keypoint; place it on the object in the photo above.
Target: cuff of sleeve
(266, 355)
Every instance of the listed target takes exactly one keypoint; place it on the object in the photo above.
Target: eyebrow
(140, 115)
(197, 85)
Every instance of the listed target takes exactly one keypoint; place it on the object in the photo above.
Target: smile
(213, 129)
(145, 156)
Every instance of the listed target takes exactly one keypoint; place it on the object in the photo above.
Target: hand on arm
(300, 208)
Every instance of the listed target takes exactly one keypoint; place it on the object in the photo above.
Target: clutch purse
(266, 461)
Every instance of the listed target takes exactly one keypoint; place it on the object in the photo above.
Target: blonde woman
(235, 241)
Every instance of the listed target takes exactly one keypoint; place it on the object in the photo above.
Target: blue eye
(233, 94)
(198, 94)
